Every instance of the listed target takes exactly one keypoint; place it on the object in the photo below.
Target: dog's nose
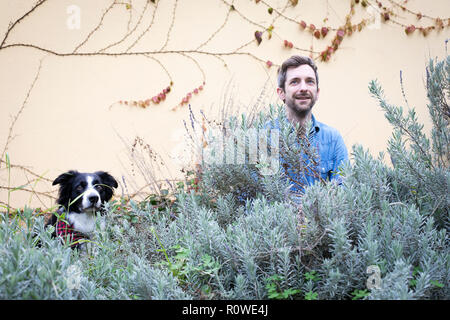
(93, 199)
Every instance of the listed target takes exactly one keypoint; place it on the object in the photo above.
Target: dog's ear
(65, 177)
(107, 179)
(64, 180)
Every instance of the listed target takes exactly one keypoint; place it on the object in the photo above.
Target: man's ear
(281, 94)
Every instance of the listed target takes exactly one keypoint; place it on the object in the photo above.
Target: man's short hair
(294, 62)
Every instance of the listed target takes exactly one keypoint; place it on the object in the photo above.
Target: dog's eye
(80, 188)
(98, 187)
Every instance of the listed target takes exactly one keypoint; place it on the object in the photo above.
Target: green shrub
(239, 234)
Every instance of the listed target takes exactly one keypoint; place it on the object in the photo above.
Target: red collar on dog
(67, 232)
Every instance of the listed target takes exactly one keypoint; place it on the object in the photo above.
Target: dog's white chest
(82, 222)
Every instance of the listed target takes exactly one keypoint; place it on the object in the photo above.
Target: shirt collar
(315, 128)
(315, 125)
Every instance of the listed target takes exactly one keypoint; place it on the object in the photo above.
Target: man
(298, 87)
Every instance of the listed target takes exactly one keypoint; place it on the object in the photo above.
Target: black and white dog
(81, 196)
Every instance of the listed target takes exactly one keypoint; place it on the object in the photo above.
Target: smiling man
(298, 87)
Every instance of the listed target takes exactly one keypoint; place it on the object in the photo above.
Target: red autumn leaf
(258, 36)
(303, 24)
(288, 44)
(410, 29)
(317, 34)
(324, 31)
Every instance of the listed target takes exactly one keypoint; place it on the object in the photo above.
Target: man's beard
(301, 111)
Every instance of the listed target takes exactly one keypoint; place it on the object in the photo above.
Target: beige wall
(67, 122)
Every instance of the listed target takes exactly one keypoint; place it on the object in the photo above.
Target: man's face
(300, 89)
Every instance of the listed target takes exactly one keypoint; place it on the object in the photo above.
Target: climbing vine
(141, 18)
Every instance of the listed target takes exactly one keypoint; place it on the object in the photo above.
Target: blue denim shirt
(330, 149)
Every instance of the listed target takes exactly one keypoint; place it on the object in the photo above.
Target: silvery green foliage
(111, 269)
(263, 242)
(257, 242)
(147, 282)
(254, 174)
(393, 217)
(30, 273)
(219, 244)
(120, 264)
(421, 168)
(395, 285)
(379, 232)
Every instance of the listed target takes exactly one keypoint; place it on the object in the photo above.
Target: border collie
(81, 195)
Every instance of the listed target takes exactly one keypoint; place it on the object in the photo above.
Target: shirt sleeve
(341, 156)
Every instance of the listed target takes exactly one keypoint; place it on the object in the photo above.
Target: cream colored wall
(72, 121)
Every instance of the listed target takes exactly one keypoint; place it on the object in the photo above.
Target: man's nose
(302, 86)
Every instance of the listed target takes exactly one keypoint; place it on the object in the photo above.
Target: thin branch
(25, 169)
(19, 20)
(162, 66)
(198, 65)
(97, 27)
(146, 30)
(16, 117)
(46, 194)
(218, 30)
(118, 54)
(129, 32)
(171, 25)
